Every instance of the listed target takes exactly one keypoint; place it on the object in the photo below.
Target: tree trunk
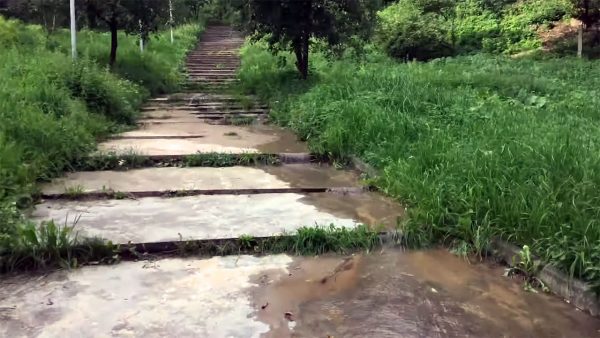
(300, 46)
(304, 62)
(114, 44)
(302, 43)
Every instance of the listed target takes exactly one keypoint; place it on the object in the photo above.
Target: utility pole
(73, 31)
(171, 18)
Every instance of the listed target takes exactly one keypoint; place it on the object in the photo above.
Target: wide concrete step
(199, 178)
(207, 108)
(211, 73)
(217, 138)
(210, 76)
(212, 68)
(197, 97)
(223, 110)
(212, 80)
(157, 219)
(160, 219)
(200, 97)
(416, 294)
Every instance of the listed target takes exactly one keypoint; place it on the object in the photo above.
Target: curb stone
(572, 290)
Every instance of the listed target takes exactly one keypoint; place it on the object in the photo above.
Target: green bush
(476, 146)
(430, 29)
(407, 32)
(520, 22)
(157, 70)
(53, 110)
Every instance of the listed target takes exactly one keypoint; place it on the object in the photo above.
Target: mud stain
(313, 175)
(410, 294)
(285, 140)
(375, 210)
(278, 297)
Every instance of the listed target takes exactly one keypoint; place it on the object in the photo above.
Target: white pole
(171, 18)
(580, 41)
(73, 31)
(141, 37)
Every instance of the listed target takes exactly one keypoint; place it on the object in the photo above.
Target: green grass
(240, 120)
(115, 161)
(306, 241)
(54, 110)
(477, 146)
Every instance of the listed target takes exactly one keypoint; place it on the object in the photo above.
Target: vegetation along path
(204, 166)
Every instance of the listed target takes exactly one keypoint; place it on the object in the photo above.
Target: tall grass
(477, 146)
(53, 110)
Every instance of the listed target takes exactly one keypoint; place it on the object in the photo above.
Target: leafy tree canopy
(292, 23)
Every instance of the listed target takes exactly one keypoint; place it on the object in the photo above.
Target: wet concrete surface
(409, 294)
(388, 293)
(383, 294)
(215, 138)
(168, 298)
(171, 147)
(156, 219)
(162, 179)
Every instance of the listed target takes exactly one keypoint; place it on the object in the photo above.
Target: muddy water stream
(409, 294)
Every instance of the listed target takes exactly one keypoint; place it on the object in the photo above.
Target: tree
(588, 12)
(127, 15)
(48, 13)
(292, 23)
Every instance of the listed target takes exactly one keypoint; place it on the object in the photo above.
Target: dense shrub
(53, 110)
(407, 31)
(157, 70)
(426, 30)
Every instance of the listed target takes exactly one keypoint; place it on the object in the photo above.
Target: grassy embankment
(53, 111)
(477, 146)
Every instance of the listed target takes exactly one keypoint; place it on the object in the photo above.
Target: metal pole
(73, 31)
(171, 19)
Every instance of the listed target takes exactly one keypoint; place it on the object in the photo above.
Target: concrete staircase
(159, 208)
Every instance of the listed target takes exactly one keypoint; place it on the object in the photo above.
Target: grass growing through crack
(48, 245)
(131, 160)
(75, 191)
(305, 241)
(229, 160)
(477, 146)
(238, 120)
